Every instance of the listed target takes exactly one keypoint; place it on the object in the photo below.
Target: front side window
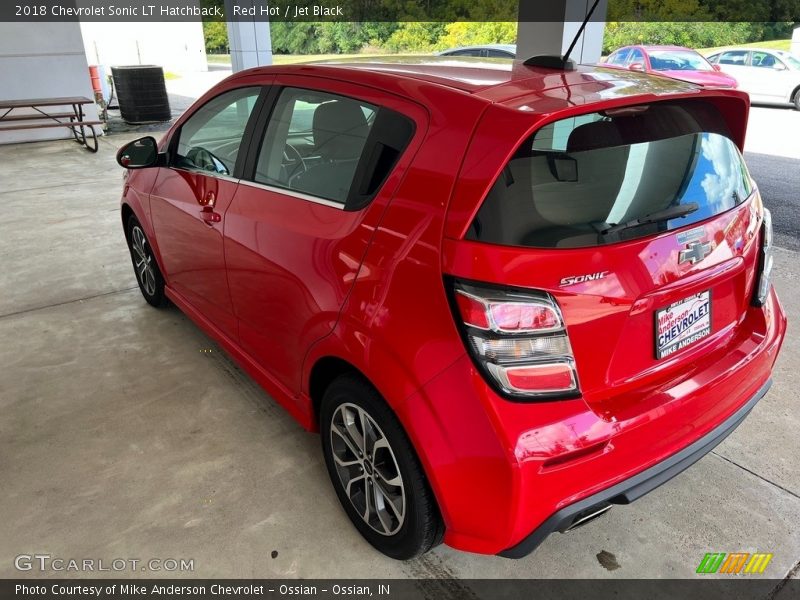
(790, 60)
(210, 139)
(766, 61)
(614, 175)
(331, 147)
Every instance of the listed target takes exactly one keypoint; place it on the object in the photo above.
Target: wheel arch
(326, 362)
(126, 212)
(324, 371)
(794, 95)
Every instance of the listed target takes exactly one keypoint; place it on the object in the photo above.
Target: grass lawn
(224, 59)
(772, 45)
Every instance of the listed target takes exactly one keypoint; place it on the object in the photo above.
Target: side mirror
(637, 66)
(139, 154)
(717, 67)
(779, 67)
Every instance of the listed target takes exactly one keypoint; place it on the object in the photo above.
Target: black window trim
(244, 146)
(259, 131)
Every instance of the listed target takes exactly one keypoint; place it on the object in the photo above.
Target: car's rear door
(328, 158)
(190, 197)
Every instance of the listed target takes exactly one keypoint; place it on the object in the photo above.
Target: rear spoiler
(735, 109)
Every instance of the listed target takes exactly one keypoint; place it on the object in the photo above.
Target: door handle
(209, 200)
(209, 216)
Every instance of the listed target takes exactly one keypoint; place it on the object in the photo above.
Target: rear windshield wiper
(671, 212)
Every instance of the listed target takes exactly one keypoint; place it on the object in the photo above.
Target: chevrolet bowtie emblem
(695, 252)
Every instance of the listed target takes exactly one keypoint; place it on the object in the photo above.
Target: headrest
(340, 130)
(590, 136)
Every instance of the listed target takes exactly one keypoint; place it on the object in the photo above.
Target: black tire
(421, 527)
(149, 278)
(796, 99)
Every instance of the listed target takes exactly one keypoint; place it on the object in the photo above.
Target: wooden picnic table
(46, 117)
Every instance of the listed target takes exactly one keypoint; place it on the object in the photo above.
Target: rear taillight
(518, 339)
(764, 262)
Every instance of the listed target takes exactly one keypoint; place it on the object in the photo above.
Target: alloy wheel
(368, 469)
(143, 260)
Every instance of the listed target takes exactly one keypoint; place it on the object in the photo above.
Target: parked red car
(508, 297)
(673, 61)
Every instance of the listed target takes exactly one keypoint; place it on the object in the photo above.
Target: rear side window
(616, 175)
(331, 147)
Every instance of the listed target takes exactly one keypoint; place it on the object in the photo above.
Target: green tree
(415, 36)
(294, 37)
(470, 33)
(216, 36)
(659, 10)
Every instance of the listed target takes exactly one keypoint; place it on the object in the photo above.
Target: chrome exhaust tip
(588, 515)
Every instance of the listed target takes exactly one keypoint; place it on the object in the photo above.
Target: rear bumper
(637, 486)
(507, 474)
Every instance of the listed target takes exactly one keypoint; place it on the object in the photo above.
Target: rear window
(614, 175)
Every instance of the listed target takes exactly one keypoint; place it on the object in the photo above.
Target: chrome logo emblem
(694, 252)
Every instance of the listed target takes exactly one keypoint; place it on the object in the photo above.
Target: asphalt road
(779, 181)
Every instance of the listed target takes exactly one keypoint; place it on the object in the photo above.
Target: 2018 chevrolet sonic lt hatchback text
(508, 297)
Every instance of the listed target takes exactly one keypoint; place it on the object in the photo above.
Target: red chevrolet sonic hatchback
(508, 297)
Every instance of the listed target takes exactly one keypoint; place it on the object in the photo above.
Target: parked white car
(769, 76)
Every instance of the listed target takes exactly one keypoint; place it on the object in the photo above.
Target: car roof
(491, 80)
(666, 47)
(748, 49)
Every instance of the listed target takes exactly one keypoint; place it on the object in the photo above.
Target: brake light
(765, 262)
(516, 316)
(518, 339)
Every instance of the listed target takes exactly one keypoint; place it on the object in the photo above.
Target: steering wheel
(294, 166)
(205, 160)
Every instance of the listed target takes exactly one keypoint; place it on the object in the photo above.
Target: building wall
(42, 60)
(176, 46)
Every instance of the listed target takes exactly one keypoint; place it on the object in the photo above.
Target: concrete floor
(121, 436)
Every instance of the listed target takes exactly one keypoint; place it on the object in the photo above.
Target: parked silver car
(769, 76)
(486, 50)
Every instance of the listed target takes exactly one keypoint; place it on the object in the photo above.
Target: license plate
(683, 323)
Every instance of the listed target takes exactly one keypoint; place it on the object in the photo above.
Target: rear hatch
(641, 225)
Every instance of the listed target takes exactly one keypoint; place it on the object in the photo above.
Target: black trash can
(141, 93)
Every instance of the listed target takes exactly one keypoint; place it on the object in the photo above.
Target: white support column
(249, 39)
(795, 47)
(549, 27)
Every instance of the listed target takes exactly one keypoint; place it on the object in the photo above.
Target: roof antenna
(562, 63)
